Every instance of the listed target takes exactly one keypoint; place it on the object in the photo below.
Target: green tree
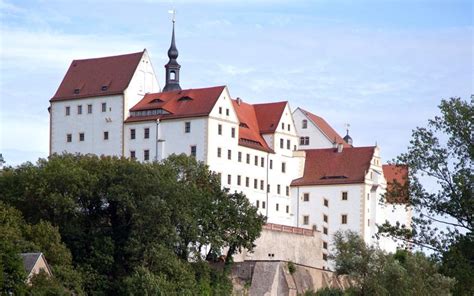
(373, 272)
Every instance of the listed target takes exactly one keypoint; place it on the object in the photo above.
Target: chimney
(339, 147)
(239, 100)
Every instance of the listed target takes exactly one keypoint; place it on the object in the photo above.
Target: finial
(347, 138)
(347, 126)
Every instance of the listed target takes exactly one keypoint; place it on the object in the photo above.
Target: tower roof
(172, 67)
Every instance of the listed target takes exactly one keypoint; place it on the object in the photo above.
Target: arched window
(304, 123)
(172, 75)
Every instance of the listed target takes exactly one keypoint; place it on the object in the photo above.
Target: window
(227, 112)
(268, 188)
(304, 123)
(104, 88)
(325, 218)
(278, 189)
(232, 132)
(257, 204)
(220, 110)
(106, 135)
(305, 196)
(247, 181)
(262, 185)
(282, 143)
(325, 245)
(69, 138)
(187, 127)
(343, 219)
(262, 162)
(289, 127)
(368, 222)
(271, 163)
(368, 196)
(287, 190)
(132, 154)
(238, 179)
(255, 183)
(283, 167)
(79, 109)
(304, 141)
(81, 137)
(248, 158)
(229, 179)
(146, 133)
(219, 152)
(219, 129)
(219, 176)
(288, 144)
(282, 125)
(229, 154)
(68, 110)
(287, 209)
(344, 195)
(326, 203)
(76, 91)
(193, 150)
(325, 230)
(325, 257)
(172, 75)
(305, 220)
(146, 154)
(104, 107)
(89, 109)
(239, 156)
(277, 207)
(132, 134)
(256, 160)
(263, 205)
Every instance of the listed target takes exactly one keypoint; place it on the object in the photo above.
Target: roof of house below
(329, 167)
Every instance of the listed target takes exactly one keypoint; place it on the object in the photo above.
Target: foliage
(373, 272)
(128, 224)
(291, 267)
(458, 262)
(441, 153)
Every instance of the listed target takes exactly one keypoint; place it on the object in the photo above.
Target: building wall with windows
(91, 124)
(309, 135)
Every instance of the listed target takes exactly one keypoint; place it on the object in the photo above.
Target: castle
(291, 164)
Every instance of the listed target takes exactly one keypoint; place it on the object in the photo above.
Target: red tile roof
(269, 115)
(90, 75)
(330, 133)
(178, 104)
(397, 181)
(327, 166)
(249, 130)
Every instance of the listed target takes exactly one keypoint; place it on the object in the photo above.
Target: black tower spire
(172, 68)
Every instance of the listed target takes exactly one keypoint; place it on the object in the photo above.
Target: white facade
(306, 128)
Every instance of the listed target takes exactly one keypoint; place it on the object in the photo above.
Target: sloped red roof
(325, 128)
(180, 103)
(89, 76)
(249, 130)
(327, 166)
(397, 181)
(268, 116)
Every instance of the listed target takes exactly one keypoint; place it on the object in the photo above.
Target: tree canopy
(124, 224)
(440, 162)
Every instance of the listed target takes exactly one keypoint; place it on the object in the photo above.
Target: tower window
(325, 218)
(326, 203)
(172, 75)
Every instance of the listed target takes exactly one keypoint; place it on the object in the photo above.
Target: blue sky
(382, 66)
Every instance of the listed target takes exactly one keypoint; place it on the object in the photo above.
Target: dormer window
(76, 91)
(104, 88)
(185, 98)
(156, 101)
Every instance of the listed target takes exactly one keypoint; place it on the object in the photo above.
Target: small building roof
(328, 166)
(330, 133)
(269, 115)
(397, 181)
(98, 76)
(30, 260)
(178, 103)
